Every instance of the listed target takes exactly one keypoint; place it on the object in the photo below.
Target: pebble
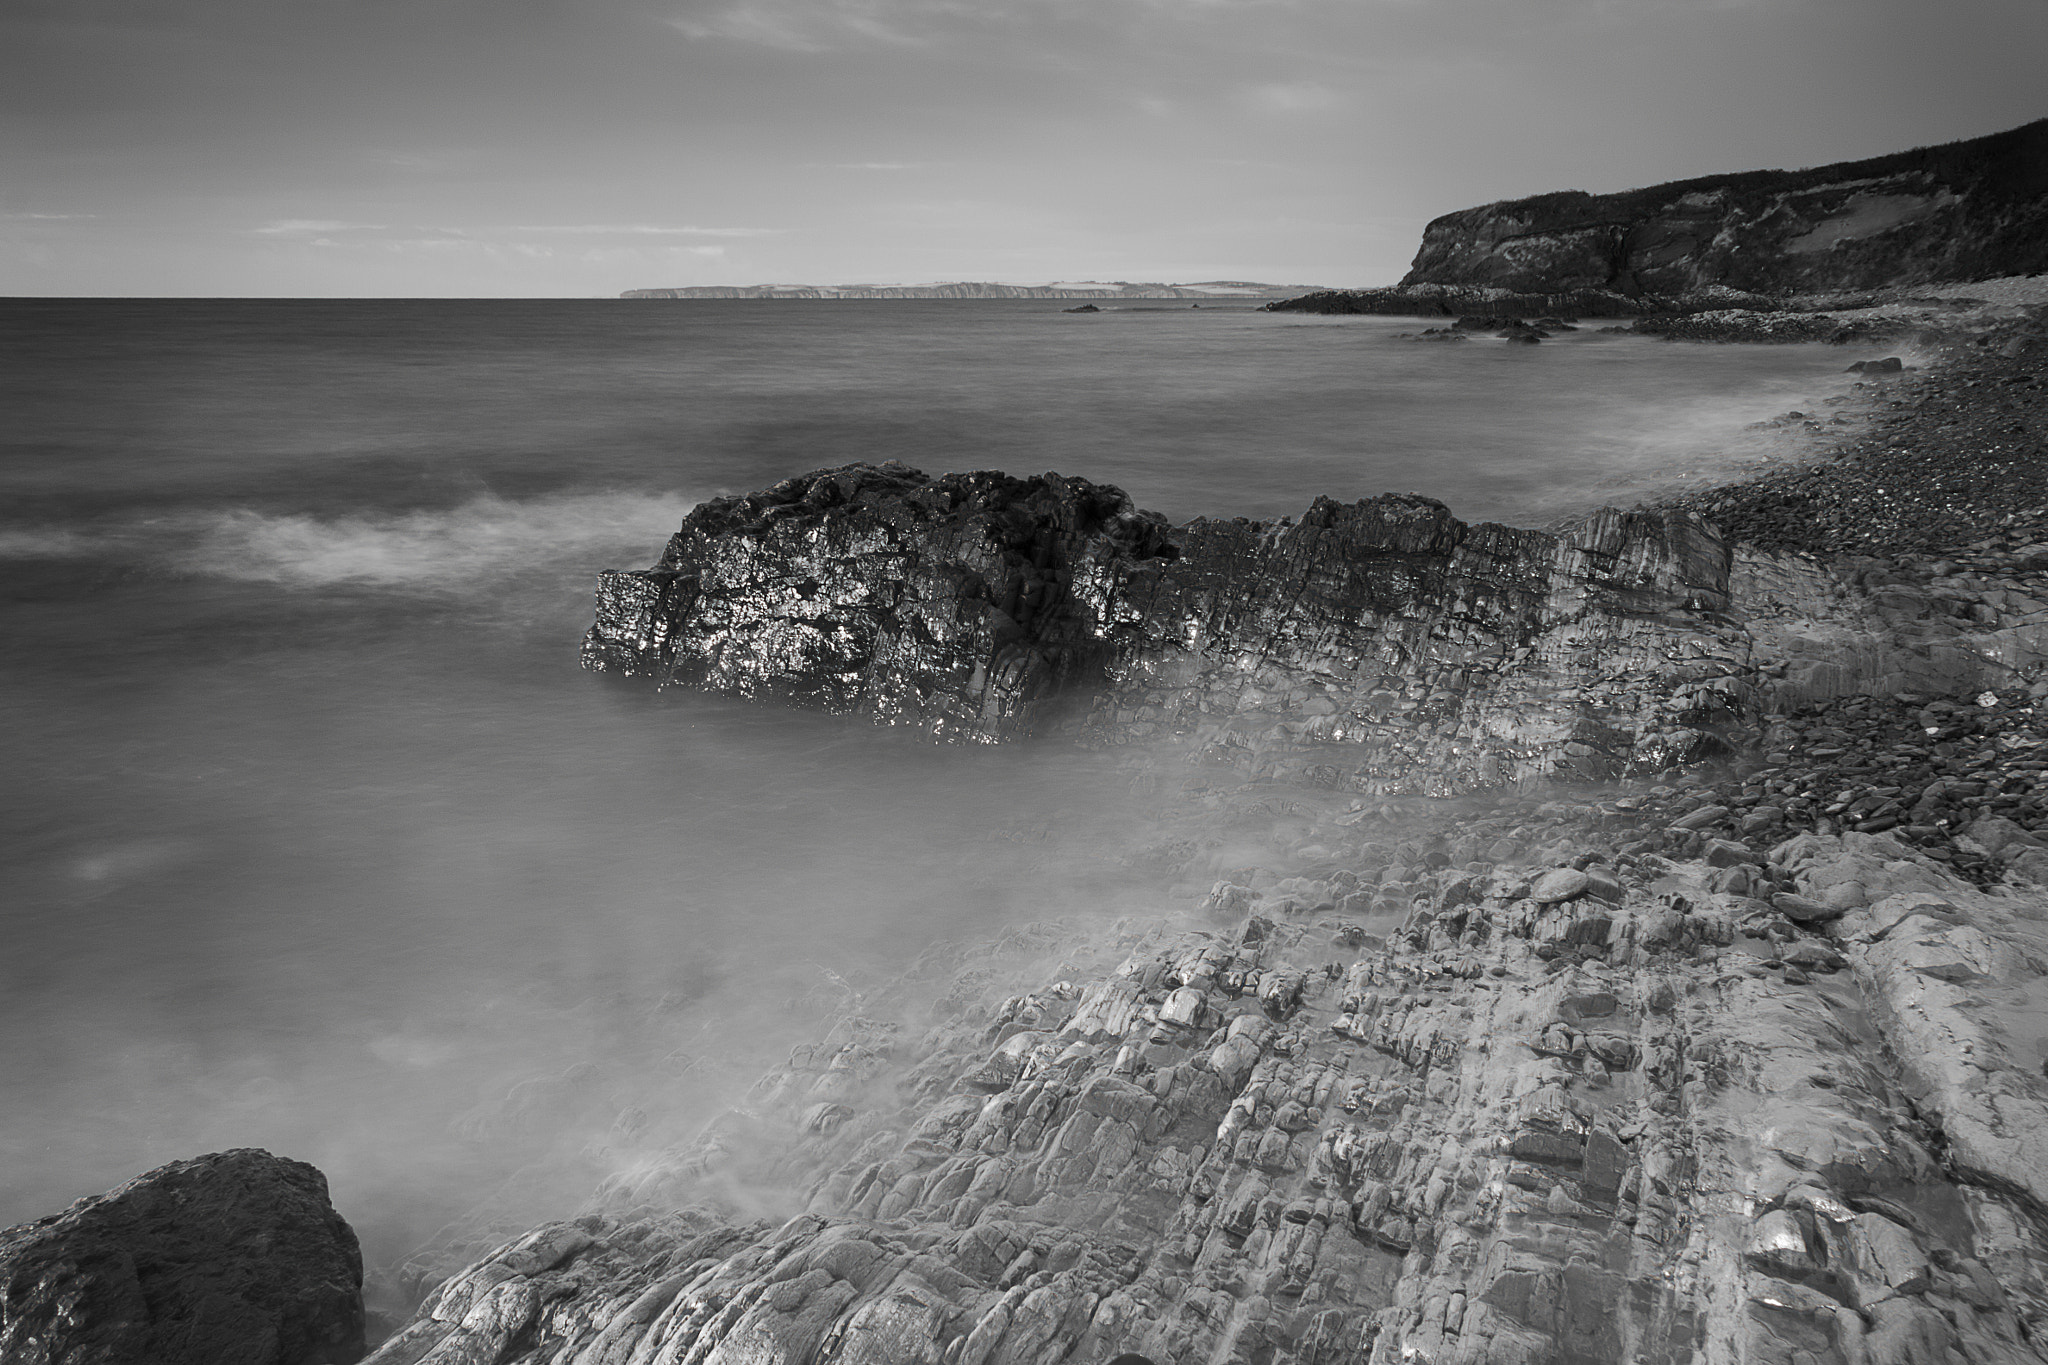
(1559, 884)
(1952, 451)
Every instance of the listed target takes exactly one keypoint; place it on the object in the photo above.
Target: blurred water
(316, 839)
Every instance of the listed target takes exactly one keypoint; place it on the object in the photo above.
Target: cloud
(825, 25)
(286, 227)
(645, 230)
(828, 25)
(1293, 97)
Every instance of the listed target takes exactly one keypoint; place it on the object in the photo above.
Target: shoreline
(1646, 918)
(1451, 1078)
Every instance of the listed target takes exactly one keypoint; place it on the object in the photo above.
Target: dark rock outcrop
(236, 1258)
(1434, 300)
(1379, 646)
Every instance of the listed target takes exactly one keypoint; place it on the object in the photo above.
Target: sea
(315, 838)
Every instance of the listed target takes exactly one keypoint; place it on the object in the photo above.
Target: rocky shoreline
(1737, 1060)
(1741, 1062)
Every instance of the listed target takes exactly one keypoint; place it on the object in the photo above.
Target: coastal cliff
(1963, 211)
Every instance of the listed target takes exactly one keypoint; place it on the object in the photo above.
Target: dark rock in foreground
(236, 1258)
(1379, 646)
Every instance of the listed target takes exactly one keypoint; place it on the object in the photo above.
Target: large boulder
(1377, 646)
(235, 1258)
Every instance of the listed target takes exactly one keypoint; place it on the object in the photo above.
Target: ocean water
(315, 838)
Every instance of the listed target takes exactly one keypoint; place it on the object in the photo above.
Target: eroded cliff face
(1963, 211)
(1381, 646)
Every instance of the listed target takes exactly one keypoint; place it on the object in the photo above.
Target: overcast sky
(582, 147)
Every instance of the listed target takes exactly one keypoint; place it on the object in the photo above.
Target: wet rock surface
(1740, 1061)
(1379, 646)
(236, 1258)
(1736, 1062)
(1527, 1092)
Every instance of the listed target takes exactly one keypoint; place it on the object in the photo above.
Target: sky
(550, 148)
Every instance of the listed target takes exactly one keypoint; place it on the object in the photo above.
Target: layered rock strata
(1379, 646)
(1733, 1102)
(236, 1258)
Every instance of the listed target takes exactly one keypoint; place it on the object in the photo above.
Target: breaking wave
(417, 550)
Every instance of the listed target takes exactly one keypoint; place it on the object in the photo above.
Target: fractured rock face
(236, 1258)
(1380, 646)
(967, 605)
(1508, 1132)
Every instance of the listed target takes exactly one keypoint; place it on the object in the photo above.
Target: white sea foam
(486, 535)
(418, 550)
(43, 542)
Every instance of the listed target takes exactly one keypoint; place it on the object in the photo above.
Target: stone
(1604, 885)
(1182, 1007)
(1559, 884)
(1845, 895)
(1726, 853)
(1577, 1010)
(1702, 818)
(234, 1258)
(1802, 909)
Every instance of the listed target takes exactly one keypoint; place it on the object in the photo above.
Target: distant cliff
(977, 289)
(1963, 211)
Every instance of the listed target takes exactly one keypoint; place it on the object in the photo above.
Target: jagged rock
(1765, 1087)
(1461, 1143)
(1381, 646)
(236, 1258)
